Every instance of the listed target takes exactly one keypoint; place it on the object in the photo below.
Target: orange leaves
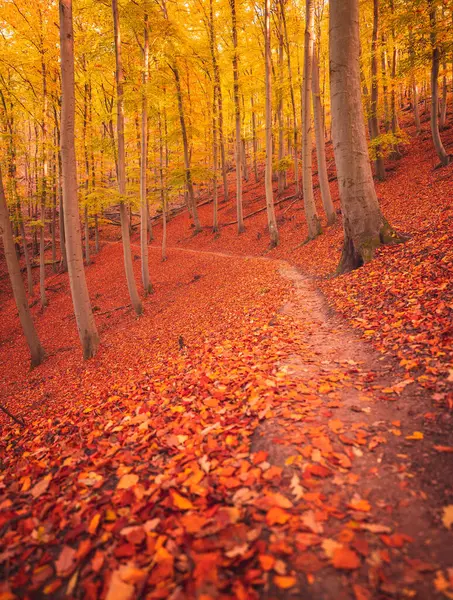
(180, 501)
(360, 505)
(65, 563)
(346, 559)
(41, 487)
(127, 481)
(278, 516)
(267, 562)
(284, 582)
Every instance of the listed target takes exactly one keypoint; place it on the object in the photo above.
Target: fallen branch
(258, 211)
(106, 312)
(18, 420)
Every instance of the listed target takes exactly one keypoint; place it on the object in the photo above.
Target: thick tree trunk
(313, 223)
(12, 263)
(237, 113)
(365, 228)
(271, 220)
(374, 120)
(144, 165)
(79, 290)
(132, 287)
(438, 145)
(323, 177)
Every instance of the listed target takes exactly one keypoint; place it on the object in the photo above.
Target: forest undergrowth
(194, 457)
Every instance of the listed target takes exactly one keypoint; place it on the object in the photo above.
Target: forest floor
(262, 431)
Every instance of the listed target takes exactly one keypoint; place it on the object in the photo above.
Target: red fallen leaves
(346, 559)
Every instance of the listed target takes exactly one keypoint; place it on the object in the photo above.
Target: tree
(365, 227)
(79, 291)
(144, 164)
(374, 121)
(311, 215)
(125, 234)
(237, 115)
(12, 262)
(438, 145)
(271, 221)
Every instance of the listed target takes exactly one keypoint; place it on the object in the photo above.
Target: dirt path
(375, 491)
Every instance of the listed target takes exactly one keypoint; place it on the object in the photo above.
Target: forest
(226, 299)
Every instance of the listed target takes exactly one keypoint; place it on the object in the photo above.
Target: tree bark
(438, 145)
(144, 164)
(313, 223)
(323, 177)
(237, 112)
(271, 220)
(82, 307)
(374, 120)
(27, 260)
(365, 228)
(125, 234)
(31, 336)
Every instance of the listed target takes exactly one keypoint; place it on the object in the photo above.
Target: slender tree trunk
(96, 233)
(135, 300)
(271, 220)
(323, 177)
(374, 120)
(79, 291)
(237, 112)
(54, 212)
(188, 172)
(215, 218)
(254, 139)
(293, 101)
(414, 83)
(438, 145)
(313, 223)
(42, 263)
(281, 174)
(144, 164)
(385, 82)
(27, 260)
(31, 336)
(365, 228)
(443, 104)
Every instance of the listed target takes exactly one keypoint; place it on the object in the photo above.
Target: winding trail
(395, 480)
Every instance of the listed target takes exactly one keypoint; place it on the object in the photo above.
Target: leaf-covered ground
(241, 440)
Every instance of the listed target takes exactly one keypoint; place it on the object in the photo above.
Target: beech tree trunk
(374, 120)
(237, 112)
(79, 291)
(271, 220)
(443, 103)
(27, 260)
(365, 228)
(293, 101)
(12, 263)
(144, 164)
(281, 174)
(311, 215)
(438, 145)
(132, 287)
(42, 263)
(323, 177)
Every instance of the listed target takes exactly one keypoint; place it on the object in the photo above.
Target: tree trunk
(31, 336)
(281, 174)
(254, 139)
(271, 221)
(237, 112)
(87, 236)
(42, 263)
(293, 101)
(27, 260)
(323, 177)
(132, 287)
(144, 164)
(414, 84)
(365, 228)
(313, 223)
(443, 103)
(439, 147)
(188, 172)
(79, 290)
(215, 216)
(374, 120)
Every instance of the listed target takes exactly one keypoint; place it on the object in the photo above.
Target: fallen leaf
(345, 558)
(127, 481)
(447, 517)
(284, 582)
